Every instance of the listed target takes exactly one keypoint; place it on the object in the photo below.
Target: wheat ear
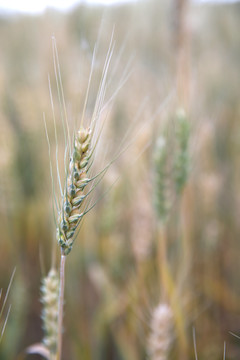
(49, 299)
(70, 213)
(161, 179)
(160, 337)
(181, 161)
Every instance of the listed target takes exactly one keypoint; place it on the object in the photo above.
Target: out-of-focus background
(179, 54)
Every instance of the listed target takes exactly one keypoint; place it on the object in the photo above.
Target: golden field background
(112, 274)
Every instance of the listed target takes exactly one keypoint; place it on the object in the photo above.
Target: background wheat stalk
(172, 159)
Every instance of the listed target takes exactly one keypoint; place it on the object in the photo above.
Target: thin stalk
(60, 305)
(162, 259)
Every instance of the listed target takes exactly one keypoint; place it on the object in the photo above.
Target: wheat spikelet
(70, 213)
(160, 337)
(50, 296)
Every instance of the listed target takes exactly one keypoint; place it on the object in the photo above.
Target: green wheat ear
(70, 214)
(181, 158)
(171, 164)
(161, 177)
(49, 299)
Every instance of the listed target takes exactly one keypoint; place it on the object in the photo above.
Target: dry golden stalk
(70, 215)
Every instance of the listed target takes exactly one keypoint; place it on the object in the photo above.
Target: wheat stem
(60, 304)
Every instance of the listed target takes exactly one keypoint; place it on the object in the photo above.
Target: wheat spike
(161, 178)
(70, 215)
(50, 294)
(161, 336)
(181, 168)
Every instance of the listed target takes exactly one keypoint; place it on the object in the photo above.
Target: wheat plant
(171, 173)
(75, 195)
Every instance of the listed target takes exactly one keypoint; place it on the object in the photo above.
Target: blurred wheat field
(125, 266)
